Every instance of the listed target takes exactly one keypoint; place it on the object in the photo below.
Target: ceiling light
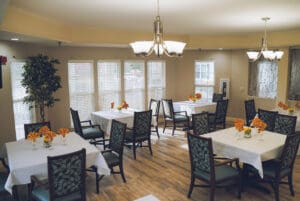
(158, 45)
(14, 39)
(267, 54)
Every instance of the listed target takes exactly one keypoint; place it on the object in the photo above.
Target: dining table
(194, 107)
(254, 150)
(26, 158)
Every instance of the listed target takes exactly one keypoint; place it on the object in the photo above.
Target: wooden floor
(166, 175)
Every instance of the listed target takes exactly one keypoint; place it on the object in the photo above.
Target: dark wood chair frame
(217, 118)
(250, 111)
(155, 114)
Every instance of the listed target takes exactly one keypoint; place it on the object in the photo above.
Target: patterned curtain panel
(294, 78)
(263, 79)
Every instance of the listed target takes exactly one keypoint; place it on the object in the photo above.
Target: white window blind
(263, 79)
(156, 73)
(22, 114)
(205, 79)
(81, 88)
(134, 78)
(109, 83)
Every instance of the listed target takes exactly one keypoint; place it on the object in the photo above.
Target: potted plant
(40, 81)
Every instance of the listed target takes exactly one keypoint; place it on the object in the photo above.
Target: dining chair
(268, 117)
(217, 97)
(114, 154)
(154, 106)
(200, 123)
(219, 117)
(205, 168)
(275, 170)
(140, 132)
(90, 132)
(66, 178)
(250, 111)
(3, 178)
(176, 118)
(34, 127)
(285, 124)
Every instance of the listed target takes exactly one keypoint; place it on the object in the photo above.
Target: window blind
(205, 79)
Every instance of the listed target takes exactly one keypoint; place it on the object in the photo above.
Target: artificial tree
(41, 82)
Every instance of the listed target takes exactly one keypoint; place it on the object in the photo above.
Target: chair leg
(15, 193)
(191, 186)
(276, 190)
(174, 127)
(290, 180)
(134, 151)
(212, 193)
(165, 127)
(156, 129)
(97, 181)
(239, 187)
(149, 145)
(122, 172)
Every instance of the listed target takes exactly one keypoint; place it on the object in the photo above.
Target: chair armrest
(107, 150)
(93, 125)
(87, 121)
(227, 160)
(178, 112)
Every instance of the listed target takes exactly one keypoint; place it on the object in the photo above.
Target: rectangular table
(252, 150)
(194, 107)
(25, 161)
(104, 118)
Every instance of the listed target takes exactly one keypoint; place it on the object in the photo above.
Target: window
(109, 83)
(156, 79)
(263, 79)
(294, 77)
(134, 80)
(22, 113)
(205, 79)
(81, 87)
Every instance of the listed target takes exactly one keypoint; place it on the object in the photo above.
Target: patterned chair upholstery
(114, 154)
(219, 117)
(66, 178)
(250, 111)
(200, 123)
(217, 97)
(176, 118)
(268, 117)
(154, 106)
(90, 132)
(277, 169)
(141, 131)
(34, 127)
(204, 167)
(285, 124)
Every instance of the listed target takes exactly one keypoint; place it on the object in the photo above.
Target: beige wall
(232, 64)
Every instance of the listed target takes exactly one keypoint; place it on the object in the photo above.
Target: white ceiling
(178, 16)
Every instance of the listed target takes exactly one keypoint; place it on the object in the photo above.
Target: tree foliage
(40, 81)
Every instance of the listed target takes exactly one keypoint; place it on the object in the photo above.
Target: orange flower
(280, 104)
(32, 136)
(112, 104)
(198, 96)
(258, 123)
(124, 105)
(63, 131)
(239, 124)
(285, 107)
(43, 130)
(297, 105)
(49, 135)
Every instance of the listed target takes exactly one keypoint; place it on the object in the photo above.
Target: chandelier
(158, 45)
(267, 54)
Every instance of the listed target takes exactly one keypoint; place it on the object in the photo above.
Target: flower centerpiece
(290, 110)
(297, 105)
(283, 105)
(247, 132)
(195, 97)
(112, 105)
(239, 124)
(32, 136)
(124, 105)
(63, 132)
(259, 124)
(47, 135)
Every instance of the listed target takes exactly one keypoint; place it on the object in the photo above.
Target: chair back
(201, 155)
(168, 109)
(34, 127)
(154, 106)
(76, 121)
(66, 175)
(289, 151)
(250, 111)
(200, 123)
(221, 111)
(142, 124)
(217, 97)
(117, 133)
(285, 124)
(268, 117)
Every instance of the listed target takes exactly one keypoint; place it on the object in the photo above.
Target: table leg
(15, 193)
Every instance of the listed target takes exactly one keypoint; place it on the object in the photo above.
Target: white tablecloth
(104, 118)
(25, 161)
(194, 107)
(252, 150)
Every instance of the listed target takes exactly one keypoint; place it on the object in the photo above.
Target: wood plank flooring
(166, 175)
